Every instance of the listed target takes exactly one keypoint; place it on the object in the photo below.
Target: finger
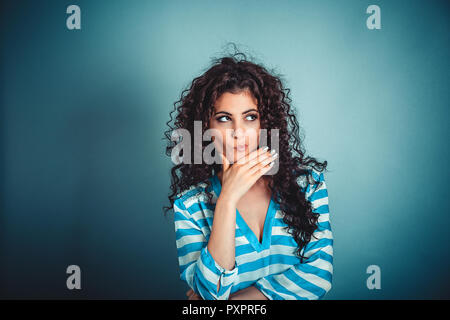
(252, 155)
(189, 292)
(259, 173)
(264, 157)
(191, 296)
(194, 297)
(264, 166)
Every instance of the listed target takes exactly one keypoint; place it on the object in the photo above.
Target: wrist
(227, 200)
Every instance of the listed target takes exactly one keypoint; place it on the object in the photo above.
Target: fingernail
(272, 151)
(271, 164)
(275, 155)
(266, 148)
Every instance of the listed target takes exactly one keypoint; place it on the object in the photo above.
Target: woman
(243, 232)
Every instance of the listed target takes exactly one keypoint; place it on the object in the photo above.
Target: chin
(240, 155)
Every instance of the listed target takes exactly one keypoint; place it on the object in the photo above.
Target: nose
(238, 133)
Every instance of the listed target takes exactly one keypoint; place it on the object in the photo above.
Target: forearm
(221, 242)
(250, 293)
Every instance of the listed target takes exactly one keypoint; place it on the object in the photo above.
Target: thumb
(225, 162)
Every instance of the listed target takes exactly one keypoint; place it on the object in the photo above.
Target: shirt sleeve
(197, 266)
(312, 279)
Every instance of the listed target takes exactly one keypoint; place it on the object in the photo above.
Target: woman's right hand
(238, 178)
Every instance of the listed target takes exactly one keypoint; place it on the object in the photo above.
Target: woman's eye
(220, 119)
(250, 117)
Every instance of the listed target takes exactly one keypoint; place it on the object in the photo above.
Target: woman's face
(237, 119)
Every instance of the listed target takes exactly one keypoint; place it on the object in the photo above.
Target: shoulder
(194, 194)
(312, 179)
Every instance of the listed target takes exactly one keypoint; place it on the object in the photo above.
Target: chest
(254, 212)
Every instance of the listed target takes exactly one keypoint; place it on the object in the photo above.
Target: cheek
(219, 139)
(253, 138)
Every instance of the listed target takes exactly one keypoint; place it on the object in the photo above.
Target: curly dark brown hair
(230, 74)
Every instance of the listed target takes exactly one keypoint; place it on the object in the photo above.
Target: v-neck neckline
(246, 230)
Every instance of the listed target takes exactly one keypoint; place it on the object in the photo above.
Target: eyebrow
(247, 111)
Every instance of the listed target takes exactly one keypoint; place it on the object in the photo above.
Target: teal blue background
(83, 170)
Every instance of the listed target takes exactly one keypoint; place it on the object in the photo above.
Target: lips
(241, 147)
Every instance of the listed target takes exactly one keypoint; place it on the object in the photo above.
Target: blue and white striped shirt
(271, 266)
